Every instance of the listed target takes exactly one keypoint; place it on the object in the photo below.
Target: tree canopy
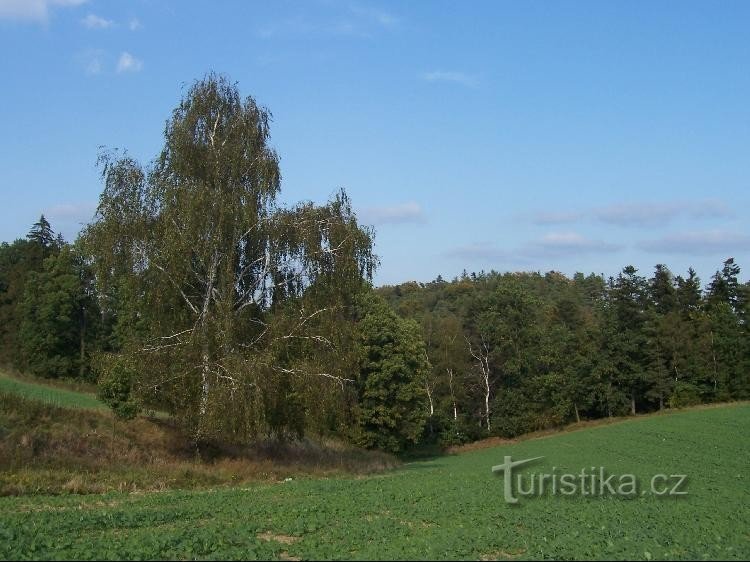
(212, 280)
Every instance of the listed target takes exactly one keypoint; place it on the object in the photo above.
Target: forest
(194, 292)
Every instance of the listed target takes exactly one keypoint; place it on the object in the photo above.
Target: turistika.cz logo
(590, 481)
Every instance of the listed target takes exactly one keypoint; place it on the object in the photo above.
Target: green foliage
(115, 386)
(17, 261)
(58, 315)
(42, 234)
(538, 351)
(391, 407)
(229, 307)
(685, 394)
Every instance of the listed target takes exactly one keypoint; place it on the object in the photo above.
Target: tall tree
(393, 363)
(58, 317)
(41, 233)
(625, 342)
(219, 279)
(17, 261)
(724, 286)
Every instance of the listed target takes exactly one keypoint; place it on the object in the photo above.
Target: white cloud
(93, 21)
(394, 214)
(375, 15)
(302, 27)
(32, 10)
(134, 24)
(652, 214)
(698, 242)
(342, 20)
(639, 214)
(128, 63)
(557, 244)
(71, 212)
(68, 218)
(91, 61)
(94, 66)
(483, 251)
(455, 77)
(556, 217)
(550, 246)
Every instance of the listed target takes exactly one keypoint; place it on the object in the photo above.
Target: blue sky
(569, 136)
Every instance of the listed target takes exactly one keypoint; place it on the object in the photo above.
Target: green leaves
(392, 403)
(58, 317)
(115, 381)
(230, 309)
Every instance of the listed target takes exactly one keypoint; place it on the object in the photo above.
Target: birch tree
(221, 281)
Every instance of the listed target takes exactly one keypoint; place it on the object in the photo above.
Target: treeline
(517, 352)
(193, 291)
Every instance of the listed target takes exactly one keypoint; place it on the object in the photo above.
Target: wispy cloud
(403, 213)
(698, 242)
(479, 251)
(134, 24)
(454, 77)
(71, 212)
(649, 214)
(556, 217)
(305, 28)
(640, 214)
(68, 218)
(551, 245)
(93, 21)
(558, 244)
(344, 20)
(32, 10)
(92, 61)
(128, 63)
(374, 15)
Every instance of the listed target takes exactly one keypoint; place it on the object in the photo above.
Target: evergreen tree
(662, 290)
(17, 261)
(58, 316)
(688, 293)
(390, 412)
(41, 233)
(724, 287)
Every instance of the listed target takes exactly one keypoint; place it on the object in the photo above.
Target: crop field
(50, 394)
(449, 507)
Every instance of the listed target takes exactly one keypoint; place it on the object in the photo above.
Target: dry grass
(48, 449)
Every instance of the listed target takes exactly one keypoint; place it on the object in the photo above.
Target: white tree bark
(482, 357)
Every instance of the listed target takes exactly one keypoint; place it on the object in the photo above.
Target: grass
(449, 507)
(48, 393)
(49, 449)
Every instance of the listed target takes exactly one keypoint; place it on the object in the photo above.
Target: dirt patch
(503, 554)
(283, 539)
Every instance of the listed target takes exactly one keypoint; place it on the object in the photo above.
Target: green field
(49, 394)
(449, 507)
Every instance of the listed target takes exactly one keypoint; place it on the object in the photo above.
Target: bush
(685, 394)
(456, 432)
(116, 386)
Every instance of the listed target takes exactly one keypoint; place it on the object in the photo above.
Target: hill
(448, 507)
(58, 440)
